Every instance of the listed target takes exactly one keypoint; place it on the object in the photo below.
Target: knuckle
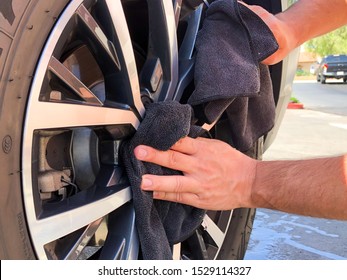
(178, 190)
(180, 142)
(173, 158)
(195, 145)
(177, 185)
(179, 198)
(201, 201)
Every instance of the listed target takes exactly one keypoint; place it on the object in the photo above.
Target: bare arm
(315, 187)
(303, 21)
(218, 177)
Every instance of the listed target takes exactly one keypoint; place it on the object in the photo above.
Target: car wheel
(74, 79)
(345, 80)
(323, 79)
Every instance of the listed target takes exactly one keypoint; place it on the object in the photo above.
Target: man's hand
(302, 22)
(216, 176)
(283, 34)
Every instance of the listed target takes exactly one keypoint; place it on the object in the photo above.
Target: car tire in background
(75, 76)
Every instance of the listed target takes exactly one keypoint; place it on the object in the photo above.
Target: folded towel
(228, 78)
(160, 224)
(228, 74)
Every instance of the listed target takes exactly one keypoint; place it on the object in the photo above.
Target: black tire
(31, 141)
(345, 80)
(323, 79)
(22, 38)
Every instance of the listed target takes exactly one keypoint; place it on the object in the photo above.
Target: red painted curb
(293, 105)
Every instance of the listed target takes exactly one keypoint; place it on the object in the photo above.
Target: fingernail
(141, 153)
(146, 183)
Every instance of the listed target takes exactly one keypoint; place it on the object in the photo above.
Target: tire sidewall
(25, 36)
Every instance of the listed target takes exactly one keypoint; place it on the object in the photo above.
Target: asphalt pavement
(318, 130)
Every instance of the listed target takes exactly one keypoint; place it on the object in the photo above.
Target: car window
(339, 58)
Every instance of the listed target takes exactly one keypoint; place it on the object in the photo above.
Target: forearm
(310, 18)
(316, 187)
(303, 21)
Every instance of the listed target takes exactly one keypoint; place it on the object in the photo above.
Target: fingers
(184, 198)
(172, 159)
(170, 184)
(172, 188)
(186, 145)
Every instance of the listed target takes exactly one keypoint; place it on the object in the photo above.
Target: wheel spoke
(213, 230)
(122, 235)
(188, 44)
(127, 79)
(83, 240)
(186, 51)
(62, 224)
(164, 44)
(177, 10)
(73, 115)
(102, 47)
(72, 82)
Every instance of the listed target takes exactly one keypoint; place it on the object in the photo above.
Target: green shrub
(294, 100)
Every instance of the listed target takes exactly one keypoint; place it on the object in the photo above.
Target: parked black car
(332, 66)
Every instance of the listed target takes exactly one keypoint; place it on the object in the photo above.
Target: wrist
(246, 198)
(291, 36)
(284, 32)
(262, 186)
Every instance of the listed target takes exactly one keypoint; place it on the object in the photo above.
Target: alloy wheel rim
(96, 111)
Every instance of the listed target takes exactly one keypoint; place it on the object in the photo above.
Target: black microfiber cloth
(160, 224)
(228, 74)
